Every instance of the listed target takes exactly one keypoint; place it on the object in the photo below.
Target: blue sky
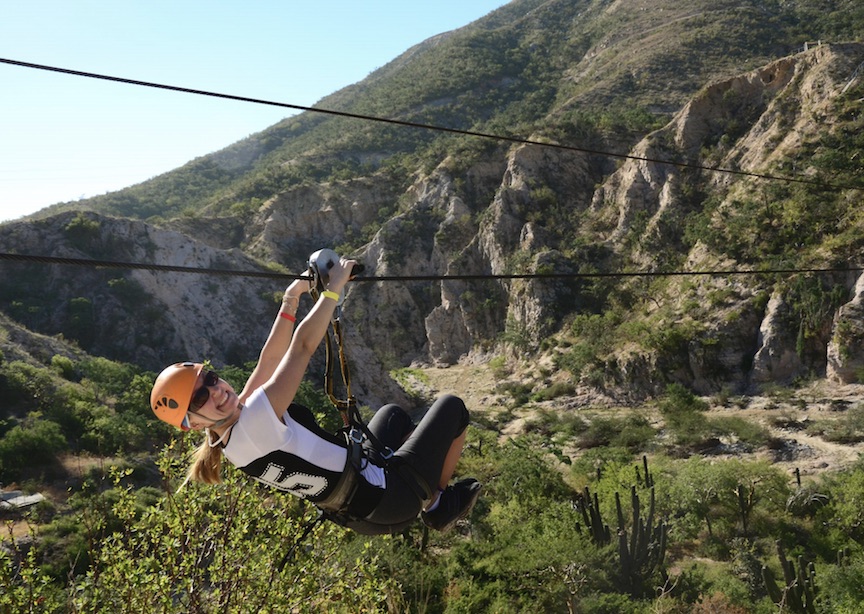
(63, 137)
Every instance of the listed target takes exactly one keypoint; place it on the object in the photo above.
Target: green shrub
(840, 588)
(558, 389)
(843, 516)
(110, 375)
(746, 431)
(679, 400)
(848, 429)
(26, 387)
(726, 498)
(202, 549)
(24, 585)
(64, 366)
(33, 442)
(683, 414)
(520, 392)
(632, 432)
(595, 337)
(562, 425)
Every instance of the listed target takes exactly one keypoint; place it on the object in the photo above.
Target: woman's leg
(423, 463)
(391, 425)
(435, 446)
(451, 460)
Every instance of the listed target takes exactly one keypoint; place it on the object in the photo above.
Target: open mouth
(226, 396)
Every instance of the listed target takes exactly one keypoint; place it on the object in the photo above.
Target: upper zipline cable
(371, 278)
(540, 276)
(410, 124)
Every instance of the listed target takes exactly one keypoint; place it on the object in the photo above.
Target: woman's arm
(279, 338)
(283, 384)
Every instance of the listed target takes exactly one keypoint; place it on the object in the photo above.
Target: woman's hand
(339, 274)
(300, 286)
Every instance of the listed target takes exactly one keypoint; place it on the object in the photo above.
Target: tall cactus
(799, 592)
(643, 554)
(642, 549)
(646, 481)
(746, 503)
(590, 508)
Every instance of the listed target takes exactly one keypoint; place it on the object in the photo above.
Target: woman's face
(221, 401)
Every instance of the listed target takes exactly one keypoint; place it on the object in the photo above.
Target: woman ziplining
(375, 483)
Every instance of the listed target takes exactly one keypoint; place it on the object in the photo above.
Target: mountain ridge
(445, 204)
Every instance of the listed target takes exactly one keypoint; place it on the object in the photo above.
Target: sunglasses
(202, 395)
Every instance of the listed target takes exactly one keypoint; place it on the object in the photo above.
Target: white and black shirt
(293, 454)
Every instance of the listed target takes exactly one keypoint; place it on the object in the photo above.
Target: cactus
(590, 507)
(746, 503)
(643, 554)
(648, 480)
(842, 557)
(799, 592)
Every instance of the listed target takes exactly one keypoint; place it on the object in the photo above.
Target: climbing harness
(354, 427)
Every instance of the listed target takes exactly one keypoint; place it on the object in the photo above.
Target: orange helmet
(172, 393)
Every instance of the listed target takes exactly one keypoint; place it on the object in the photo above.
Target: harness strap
(346, 404)
(306, 531)
(342, 495)
(355, 427)
(422, 490)
(352, 420)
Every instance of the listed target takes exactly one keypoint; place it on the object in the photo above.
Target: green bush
(843, 516)
(727, 499)
(848, 429)
(65, 366)
(840, 588)
(32, 442)
(560, 425)
(683, 415)
(745, 431)
(25, 586)
(632, 432)
(25, 387)
(110, 375)
(595, 337)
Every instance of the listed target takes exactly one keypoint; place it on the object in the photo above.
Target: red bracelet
(287, 316)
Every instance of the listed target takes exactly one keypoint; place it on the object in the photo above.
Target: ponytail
(206, 463)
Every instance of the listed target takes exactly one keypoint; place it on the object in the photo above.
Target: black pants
(423, 449)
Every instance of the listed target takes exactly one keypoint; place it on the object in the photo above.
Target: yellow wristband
(330, 294)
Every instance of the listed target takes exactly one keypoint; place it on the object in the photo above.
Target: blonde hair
(206, 463)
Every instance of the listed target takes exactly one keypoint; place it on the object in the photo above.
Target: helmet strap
(214, 423)
(219, 441)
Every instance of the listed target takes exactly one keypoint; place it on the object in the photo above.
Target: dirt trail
(474, 384)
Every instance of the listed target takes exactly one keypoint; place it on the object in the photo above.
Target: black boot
(454, 503)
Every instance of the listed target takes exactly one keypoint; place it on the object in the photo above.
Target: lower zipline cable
(99, 264)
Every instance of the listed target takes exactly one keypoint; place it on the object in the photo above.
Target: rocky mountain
(620, 110)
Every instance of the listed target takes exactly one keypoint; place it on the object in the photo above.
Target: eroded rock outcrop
(776, 358)
(846, 348)
(144, 316)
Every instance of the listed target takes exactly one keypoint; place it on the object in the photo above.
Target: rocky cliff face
(150, 317)
(147, 317)
(769, 113)
(845, 350)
